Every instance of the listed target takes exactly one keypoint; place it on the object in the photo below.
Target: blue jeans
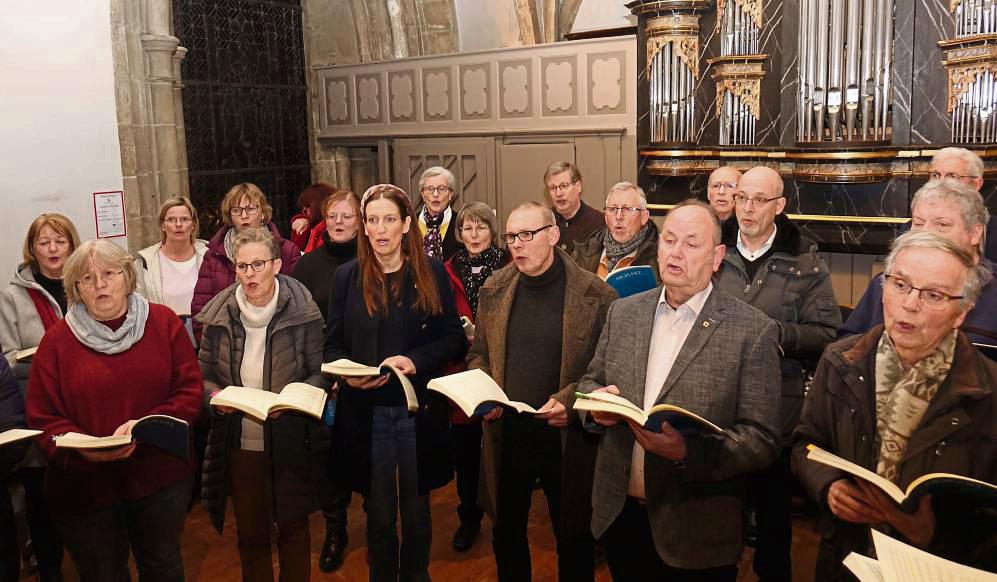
(394, 486)
(99, 541)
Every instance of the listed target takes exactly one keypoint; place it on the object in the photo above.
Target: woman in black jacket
(393, 305)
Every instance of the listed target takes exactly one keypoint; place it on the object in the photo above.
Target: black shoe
(464, 537)
(333, 551)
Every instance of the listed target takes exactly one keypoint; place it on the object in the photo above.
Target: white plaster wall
(58, 125)
(486, 24)
(595, 14)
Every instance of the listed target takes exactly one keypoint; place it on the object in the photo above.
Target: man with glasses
(628, 239)
(955, 211)
(667, 504)
(720, 191)
(535, 335)
(772, 267)
(964, 166)
(576, 220)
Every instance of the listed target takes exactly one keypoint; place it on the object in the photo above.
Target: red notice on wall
(109, 214)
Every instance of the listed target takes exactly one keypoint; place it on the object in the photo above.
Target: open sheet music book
(351, 369)
(935, 483)
(899, 562)
(17, 434)
(296, 396)
(166, 432)
(684, 421)
(25, 355)
(476, 393)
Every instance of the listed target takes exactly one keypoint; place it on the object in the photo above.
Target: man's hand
(607, 418)
(918, 527)
(403, 364)
(367, 382)
(555, 413)
(668, 444)
(849, 502)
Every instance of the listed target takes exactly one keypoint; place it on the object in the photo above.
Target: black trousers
(335, 506)
(466, 442)
(10, 555)
(769, 492)
(46, 542)
(531, 450)
(632, 557)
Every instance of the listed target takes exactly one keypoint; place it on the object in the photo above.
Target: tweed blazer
(726, 371)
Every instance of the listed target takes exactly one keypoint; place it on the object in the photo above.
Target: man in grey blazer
(669, 506)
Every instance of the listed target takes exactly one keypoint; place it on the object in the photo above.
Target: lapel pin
(706, 324)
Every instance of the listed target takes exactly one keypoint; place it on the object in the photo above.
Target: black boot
(333, 550)
(464, 537)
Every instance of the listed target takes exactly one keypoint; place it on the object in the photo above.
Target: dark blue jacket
(980, 324)
(11, 416)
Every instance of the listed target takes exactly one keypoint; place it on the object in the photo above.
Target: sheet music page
(903, 563)
(865, 568)
(305, 397)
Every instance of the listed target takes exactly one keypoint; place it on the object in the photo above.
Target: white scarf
(97, 336)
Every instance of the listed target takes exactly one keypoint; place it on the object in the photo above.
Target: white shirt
(754, 255)
(179, 279)
(670, 329)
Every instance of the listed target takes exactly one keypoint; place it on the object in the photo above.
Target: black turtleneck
(533, 340)
(315, 268)
(53, 287)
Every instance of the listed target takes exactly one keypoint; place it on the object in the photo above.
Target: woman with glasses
(244, 207)
(114, 358)
(264, 332)
(393, 304)
(439, 239)
(478, 257)
(33, 303)
(168, 269)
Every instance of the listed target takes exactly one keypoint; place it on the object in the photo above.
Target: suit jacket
(727, 372)
(586, 300)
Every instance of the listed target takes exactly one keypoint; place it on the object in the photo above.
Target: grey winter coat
(297, 446)
(20, 326)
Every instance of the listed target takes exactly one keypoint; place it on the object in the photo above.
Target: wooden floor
(212, 558)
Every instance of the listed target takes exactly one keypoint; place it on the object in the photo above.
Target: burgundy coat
(218, 272)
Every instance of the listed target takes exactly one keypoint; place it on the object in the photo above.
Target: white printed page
(345, 367)
(252, 401)
(304, 397)
(865, 568)
(470, 389)
(903, 563)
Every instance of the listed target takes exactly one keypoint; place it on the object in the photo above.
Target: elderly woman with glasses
(244, 207)
(114, 358)
(393, 304)
(168, 269)
(909, 397)
(436, 217)
(264, 332)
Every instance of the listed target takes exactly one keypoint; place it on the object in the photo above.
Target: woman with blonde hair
(33, 303)
(114, 358)
(244, 207)
(168, 269)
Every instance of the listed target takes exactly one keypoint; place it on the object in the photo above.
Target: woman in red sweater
(112, 360)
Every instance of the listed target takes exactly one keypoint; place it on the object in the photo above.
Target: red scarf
(44, 307)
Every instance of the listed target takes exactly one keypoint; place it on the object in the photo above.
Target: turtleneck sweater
(255, 320)
(316, 267)
(534, 338)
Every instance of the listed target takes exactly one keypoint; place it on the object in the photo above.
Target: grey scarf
(616, 251)
(97, 336)
(230, 244)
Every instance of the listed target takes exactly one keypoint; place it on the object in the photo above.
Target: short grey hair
(438, 171)
(714, 219)
(256, 236)
(974, 165)
(623, 187)
(977, 274)
(101, 251)
(971, 206)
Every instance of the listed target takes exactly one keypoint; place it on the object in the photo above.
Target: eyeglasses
(90, 281)
(436, 190)
(472, 228)
(255, 265)
(949, 176)
(524, 235)
(756, 200)
(181, 220)
(626, 210)
(931, 297)
(562, 187)
(334, 217)
(718, 186)
(247, 210)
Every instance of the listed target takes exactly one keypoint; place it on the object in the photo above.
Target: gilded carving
(752, 8)
(686, 47)
(961, 79)
(747, 90)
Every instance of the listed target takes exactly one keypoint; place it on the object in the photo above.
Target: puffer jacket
(957, 434)
(20, 326)
(588, 252)
(217, 272)
(793, 287)
(297, 446)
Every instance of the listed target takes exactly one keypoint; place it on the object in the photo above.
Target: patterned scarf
(616, 251)
(473, 271)
(902, 397)
(432, 242)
